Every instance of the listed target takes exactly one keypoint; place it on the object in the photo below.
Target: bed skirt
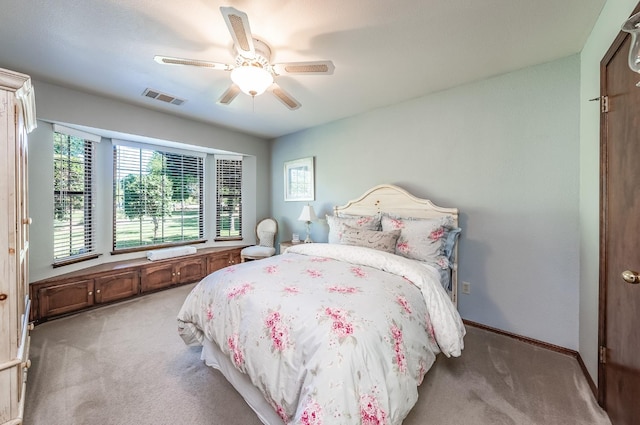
(214, 357)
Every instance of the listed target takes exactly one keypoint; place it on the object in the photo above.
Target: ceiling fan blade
(284, 97)
(166, 60)
(238, 24)
(228, 96)
(308, 68)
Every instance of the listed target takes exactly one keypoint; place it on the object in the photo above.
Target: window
(73, 227)
(228, 198)
(158, 198)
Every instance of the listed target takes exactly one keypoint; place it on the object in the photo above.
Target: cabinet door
(217, 261)
(65, 298)
(191, 270)
(116, 287)
(157, 277)
(234, 256)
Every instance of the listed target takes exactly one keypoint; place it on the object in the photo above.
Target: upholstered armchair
(266, 231)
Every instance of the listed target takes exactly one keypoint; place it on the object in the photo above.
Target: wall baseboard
(542, 344)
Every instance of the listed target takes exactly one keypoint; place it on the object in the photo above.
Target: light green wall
(505, 151)
(604, 32)
(62, 105)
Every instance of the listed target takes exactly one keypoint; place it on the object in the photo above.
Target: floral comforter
(330, 334)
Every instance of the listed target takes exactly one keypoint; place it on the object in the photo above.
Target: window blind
(73, 223)
(228, 198)
(158, 197)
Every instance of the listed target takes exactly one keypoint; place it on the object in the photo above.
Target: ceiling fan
(253, 73)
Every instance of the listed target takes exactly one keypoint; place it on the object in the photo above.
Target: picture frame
(299, 180)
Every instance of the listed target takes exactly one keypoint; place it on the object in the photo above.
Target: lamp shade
(252, 80)
(307, 214)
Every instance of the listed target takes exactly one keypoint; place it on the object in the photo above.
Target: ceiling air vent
(163, 97)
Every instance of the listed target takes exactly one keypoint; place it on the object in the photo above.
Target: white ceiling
(384, 51)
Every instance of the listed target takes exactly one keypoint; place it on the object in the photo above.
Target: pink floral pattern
(437, 234)
(343, 289)
(314, 273)
(340, 325)
(404, 303)
(209, 312)
(282, 413)
(403, 247)
(370, 411)
(271, 269)
(237, 291)
(292, 290)
(398, 348)
(429, 327)
(312, 413)
(234, 347)
(277, 330)
(320, 259)
(358, 272)
(396, 223)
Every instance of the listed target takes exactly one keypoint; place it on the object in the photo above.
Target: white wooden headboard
(391, 199)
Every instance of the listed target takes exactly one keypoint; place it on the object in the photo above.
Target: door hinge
(604, 104)
(602, 357)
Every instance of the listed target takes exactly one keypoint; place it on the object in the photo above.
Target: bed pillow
(376, 239)
(361, 222)
(422, 239)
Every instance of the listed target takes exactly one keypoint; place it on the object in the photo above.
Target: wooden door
(157, 277)
(218, 261)
(191, 270)
(65, 298)
(117, 286)
(619, 328)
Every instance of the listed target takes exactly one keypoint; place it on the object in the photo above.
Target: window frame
(225, 162)
(199, 159)
(88, 195)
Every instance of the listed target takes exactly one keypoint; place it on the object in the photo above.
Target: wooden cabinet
(116, 286)
(221, 260)
(65, 297)
(17, 118)
(68, 297)
(165, 275)
(110, 282)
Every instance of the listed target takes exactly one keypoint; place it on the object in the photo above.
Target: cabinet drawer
(116, 287)
(65, 298)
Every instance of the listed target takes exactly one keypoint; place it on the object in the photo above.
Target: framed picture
(298, 180)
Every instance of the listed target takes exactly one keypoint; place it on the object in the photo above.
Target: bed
(340, 332)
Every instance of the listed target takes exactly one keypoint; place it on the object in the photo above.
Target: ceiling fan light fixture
(252, 80)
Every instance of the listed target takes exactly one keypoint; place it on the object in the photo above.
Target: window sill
(74, 260)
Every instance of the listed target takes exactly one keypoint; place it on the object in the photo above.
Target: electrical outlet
(466, 287)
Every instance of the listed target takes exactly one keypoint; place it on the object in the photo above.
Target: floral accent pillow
(362, 222)
(421, 239)
(376, 239)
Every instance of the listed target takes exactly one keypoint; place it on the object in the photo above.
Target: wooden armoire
(17, 118)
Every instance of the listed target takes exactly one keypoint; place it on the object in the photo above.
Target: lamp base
(308, 238)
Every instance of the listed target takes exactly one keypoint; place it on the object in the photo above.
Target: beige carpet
(125, 364)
